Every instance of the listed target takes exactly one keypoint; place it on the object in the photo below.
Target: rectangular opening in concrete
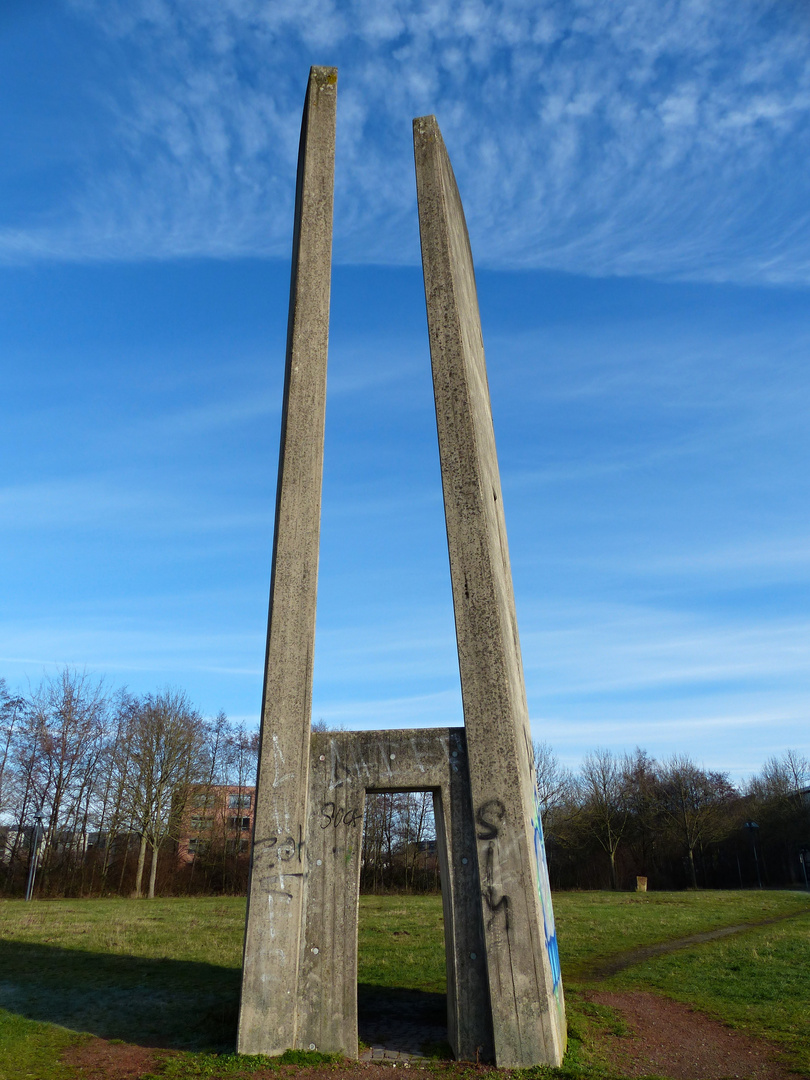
(402, 984)
(399, 843)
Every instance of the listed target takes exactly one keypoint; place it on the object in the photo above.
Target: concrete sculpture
(299, 985)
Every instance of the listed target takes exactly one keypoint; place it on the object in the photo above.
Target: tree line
(124, 794)
(673, 822)
(102, 782)
(622, 817)
(144, 796)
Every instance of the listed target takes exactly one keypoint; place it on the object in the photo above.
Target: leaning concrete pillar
(469, 1021)
(528, 1018)
(268, 1014)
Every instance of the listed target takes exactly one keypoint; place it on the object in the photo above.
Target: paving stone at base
(394, 1035)
(393, 1056)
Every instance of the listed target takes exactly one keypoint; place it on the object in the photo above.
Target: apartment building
(216, 817)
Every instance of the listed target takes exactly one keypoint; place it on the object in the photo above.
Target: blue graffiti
(544, 889)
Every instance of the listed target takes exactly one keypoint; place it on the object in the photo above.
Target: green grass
(160, 973)
(214, 1066)
(33, 1050)
(765, 992)
(166, 972)
(401, 943)
(175, 929)
(594, 926)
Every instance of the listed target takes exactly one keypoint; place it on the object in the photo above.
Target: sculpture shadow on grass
(179, 1004)
(146, 1001)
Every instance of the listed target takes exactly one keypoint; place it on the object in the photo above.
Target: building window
(196, 846)
(238, 802)
(241, 823)
(199, 824)
(201, 799)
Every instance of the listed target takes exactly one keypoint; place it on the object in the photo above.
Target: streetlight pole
(753, 828)
(32, 866)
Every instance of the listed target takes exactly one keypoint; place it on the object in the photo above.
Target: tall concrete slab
(528, 1016)
(269, 1007)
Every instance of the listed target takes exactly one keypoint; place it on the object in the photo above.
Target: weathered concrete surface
(343, 767)
(523, 968)
(269, 1004)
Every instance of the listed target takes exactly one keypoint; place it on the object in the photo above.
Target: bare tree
(59, 741)
(417, 829)
(11, 708)
(643, 801)
(556, 788)
(696, 803)
(777, 799)
(605, 808)
(242, 762)
(785, 777)
(166, 743)
(114, 804)
(242, 756)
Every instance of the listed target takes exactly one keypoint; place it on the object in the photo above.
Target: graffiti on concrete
(334, 816)
(490, 818)
(544, 889)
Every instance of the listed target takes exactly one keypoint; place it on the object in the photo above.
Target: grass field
(166, 972)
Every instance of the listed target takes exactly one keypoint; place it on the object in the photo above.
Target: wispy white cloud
(420, 710)
(700, 367)
(371, 365)
(218, 668)
(722, 688)
(729, 690)
(598, 137)
(714, 567)
(70, 501)
(205, 418)
(103, 502)
(731, 736)
(780, 558)
(592, 652)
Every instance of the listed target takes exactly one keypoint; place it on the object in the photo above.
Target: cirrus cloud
(594, 137)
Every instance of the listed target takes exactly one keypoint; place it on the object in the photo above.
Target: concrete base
(343, 767)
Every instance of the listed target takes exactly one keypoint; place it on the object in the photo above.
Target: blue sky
(638, 200)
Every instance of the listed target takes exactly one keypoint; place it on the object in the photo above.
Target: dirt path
(604, 968)
(669, 1039)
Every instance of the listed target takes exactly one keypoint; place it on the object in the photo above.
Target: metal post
(752, 828)
(32, 866)
(803, 860)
